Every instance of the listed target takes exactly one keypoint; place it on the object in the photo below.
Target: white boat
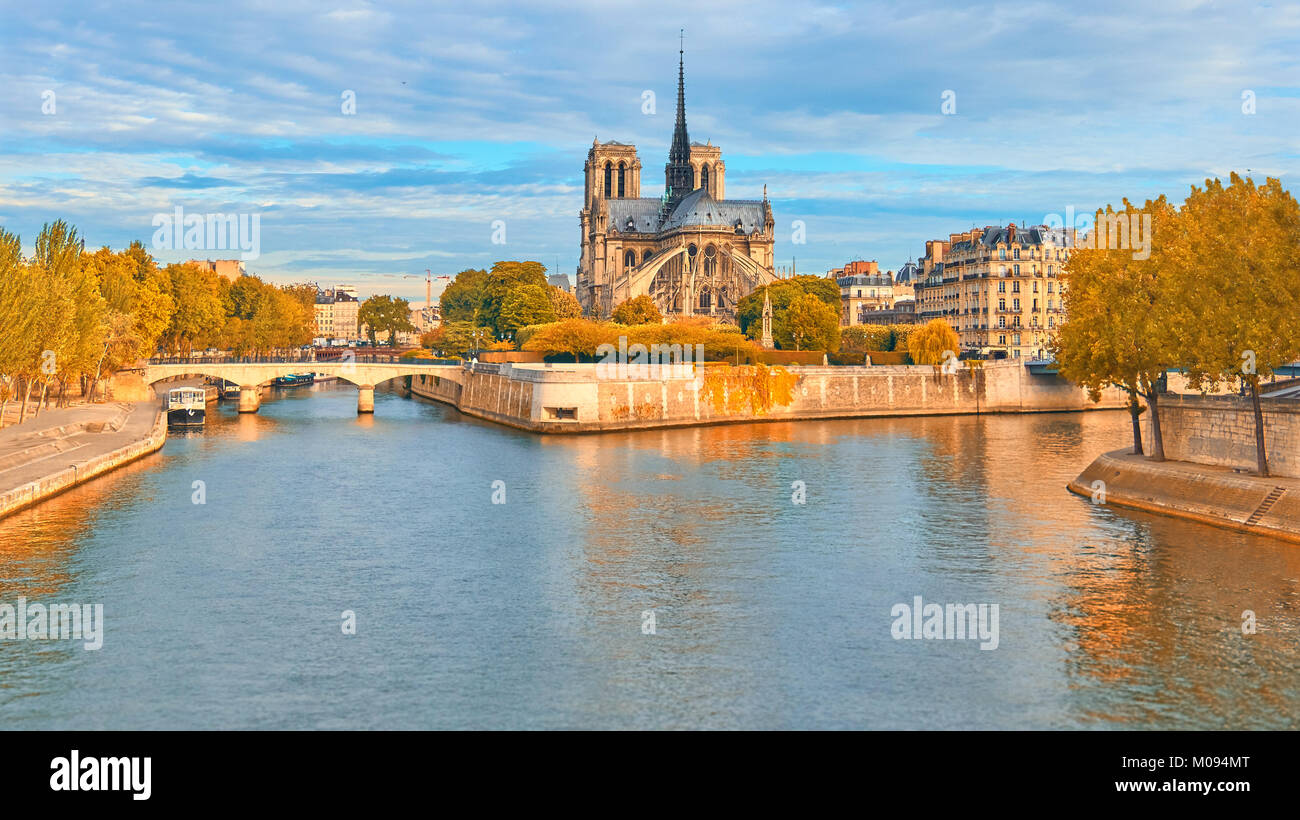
(186, 406)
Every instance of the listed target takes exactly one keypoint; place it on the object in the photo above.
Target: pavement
(61, 437)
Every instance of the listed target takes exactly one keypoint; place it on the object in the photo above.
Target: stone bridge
(251, 375)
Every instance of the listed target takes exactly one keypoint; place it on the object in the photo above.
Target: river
(656, 579)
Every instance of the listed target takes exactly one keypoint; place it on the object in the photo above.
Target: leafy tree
(463, 300)
(456, 338)
(640, 310)
(1120, 312)
(197, 318)
(927, 344)
(749, 311)
(525, 305)
(865, 338)
(385, 314)
(504, 278)
(810, 323)
(1236, 253)
(564, 304)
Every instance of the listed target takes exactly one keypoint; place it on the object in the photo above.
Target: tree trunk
(1261, 455)
(26, 395)
(1135, 410)
(45, 386)
(1157, 441)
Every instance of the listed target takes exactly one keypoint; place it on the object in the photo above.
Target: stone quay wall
(574, 398)
(1220, 430)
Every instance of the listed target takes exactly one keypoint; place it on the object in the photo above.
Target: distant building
(902, 313)
(425, 316)
(230, 269)
(336, 315)
(998, 287)
(560, 281)
(863, 289)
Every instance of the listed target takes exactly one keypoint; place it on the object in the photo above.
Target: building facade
(863, 289)
(336, 315)
(692, 250)
(999, 288)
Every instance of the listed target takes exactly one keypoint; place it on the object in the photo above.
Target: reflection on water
(767, 613)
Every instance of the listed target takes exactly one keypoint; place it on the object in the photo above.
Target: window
(1002, 340)
(1015, 304)
(1002, 321)
(1002, 253)
(1015, 338)
(609, 180)
(622, 174)
(1049, 287)
(629, 260)
(1015, 254)
(704, 180)
(1015, 287)
(1002, 304)
(1002, 287)
(1016, 268)
(1035, 287)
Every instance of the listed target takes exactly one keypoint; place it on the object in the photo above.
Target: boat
(295, 380)
(186, 406)
(230, 390)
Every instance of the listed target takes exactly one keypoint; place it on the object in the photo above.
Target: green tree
(464, 299)
(504, 278)
(525, 305)
(749, 311)
(810, 323)
(866, 338)
(388, 314)
(640, 310)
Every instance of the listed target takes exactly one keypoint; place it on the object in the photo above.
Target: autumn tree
(1120, 312)
(810, 324)
(749, 310)
(564, 304)
(525, 305)
(929, 343)
(1237, 256)
(639, 310)
(463, 300)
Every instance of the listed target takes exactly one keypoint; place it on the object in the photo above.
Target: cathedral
(692, 250)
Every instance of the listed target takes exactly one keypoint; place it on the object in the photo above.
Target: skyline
(488, 116)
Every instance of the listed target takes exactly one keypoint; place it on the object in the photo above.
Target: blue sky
(471, 113)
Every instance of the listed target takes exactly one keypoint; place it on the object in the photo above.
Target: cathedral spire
(679, 177)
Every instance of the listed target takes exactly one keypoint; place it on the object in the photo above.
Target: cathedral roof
(644, 214)
(699, 209)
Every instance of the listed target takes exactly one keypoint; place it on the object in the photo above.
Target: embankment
(76, 455)
(1206, 493)
(575, 398)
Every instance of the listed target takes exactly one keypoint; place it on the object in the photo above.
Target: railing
(361, 359)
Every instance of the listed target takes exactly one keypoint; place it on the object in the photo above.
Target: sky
(470, 118)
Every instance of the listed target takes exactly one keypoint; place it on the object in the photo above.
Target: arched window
(609, 180)
(629, 260)
(646, 256)
(622, 175)
(704, 180)
(706, 299)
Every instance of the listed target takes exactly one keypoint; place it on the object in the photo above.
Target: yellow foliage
(755, 389)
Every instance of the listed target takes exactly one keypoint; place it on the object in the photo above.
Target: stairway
(1265, 506)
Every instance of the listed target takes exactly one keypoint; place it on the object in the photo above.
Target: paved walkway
(57, 438)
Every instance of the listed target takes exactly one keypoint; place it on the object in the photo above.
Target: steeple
(679, 177)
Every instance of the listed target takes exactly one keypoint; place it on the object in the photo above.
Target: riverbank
(63, 448)
(582, 398)
(1210, 494)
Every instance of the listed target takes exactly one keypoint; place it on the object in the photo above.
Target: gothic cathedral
(694, 251)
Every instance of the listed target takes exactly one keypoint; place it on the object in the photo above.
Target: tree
(20, 307)
(866, 338)
(198, 314)
(564, 304)
(810, 323)
(525, 305)
(1120, 311)
(385, 314)
(1237, 254)
(463, 300)
(455, 338)
(640, 310)
(749, 311)
(504, 278)
(929, 343)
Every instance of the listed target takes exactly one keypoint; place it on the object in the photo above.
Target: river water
(537, 612)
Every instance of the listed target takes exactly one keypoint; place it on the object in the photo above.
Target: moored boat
(186, 406)
(295, 380)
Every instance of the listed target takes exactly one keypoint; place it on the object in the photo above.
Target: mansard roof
(699, 209)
